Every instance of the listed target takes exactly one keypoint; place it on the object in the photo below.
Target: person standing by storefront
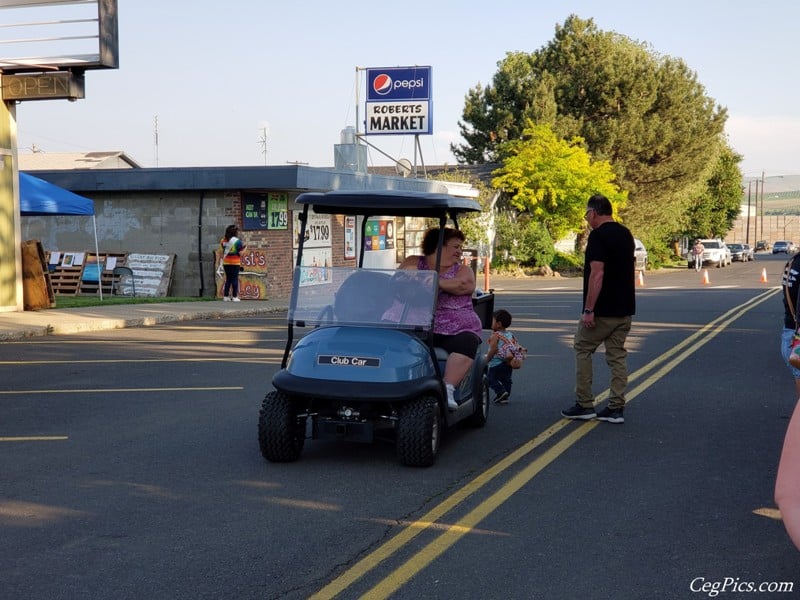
(231, 247)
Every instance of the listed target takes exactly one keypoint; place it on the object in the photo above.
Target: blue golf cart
(359, 362)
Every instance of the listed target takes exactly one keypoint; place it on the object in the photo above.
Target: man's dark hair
(503, 317)
(431, 240)
(600, 204)
(230, 231)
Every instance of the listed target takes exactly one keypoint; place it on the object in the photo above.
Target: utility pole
(747, 221)
(762, 204)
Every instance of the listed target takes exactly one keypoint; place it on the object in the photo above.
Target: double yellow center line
(649, 374)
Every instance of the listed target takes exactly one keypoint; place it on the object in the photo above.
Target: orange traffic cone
(640, 279)
(705, 276)
(763, 276)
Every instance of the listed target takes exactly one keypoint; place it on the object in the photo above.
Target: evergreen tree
(646, 114)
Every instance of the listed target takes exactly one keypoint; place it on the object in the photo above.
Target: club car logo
(382, 84)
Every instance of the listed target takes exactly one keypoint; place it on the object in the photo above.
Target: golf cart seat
(352, 305)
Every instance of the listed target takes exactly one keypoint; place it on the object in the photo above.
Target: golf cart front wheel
(281, 433)
(419, 431)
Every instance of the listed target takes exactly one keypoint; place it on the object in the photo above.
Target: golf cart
(367, 367)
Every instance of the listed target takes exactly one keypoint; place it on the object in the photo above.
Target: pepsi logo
(382, 84)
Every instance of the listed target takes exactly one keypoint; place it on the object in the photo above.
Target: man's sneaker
(235, 299)
(501, 398)
(226, 299)
(611, 415)
(576, 411)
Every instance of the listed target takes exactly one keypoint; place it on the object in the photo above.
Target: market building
(181, 213)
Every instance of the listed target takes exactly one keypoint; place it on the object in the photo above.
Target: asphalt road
(129, 466)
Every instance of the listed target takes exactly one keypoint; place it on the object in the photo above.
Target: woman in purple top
(456, 326)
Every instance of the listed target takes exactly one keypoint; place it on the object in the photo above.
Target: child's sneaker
(501, 398)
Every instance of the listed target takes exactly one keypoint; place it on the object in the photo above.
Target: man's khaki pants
(612, 332)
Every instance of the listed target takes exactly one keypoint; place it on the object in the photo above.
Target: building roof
(51, 161)
(290, 177)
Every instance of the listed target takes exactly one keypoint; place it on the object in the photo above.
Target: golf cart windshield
(402, 299)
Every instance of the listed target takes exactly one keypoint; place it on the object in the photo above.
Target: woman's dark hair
(431, 240)
(503, 317)
(230, 231)
(600, 204)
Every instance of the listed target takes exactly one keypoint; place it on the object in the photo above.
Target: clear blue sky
(216, 73)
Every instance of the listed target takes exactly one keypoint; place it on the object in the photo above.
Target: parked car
(740, 252)
(715, 252)
(783, 246)
(640, 255)
(762, 245)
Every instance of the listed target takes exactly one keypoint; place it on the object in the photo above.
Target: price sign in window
(265, 210)
(277, 210)
(318, 230)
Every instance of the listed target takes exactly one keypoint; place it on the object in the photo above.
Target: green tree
(551, 179)
(646, 114)
(523, 238)
(716, 208)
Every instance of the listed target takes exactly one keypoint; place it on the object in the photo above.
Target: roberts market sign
(399, 101)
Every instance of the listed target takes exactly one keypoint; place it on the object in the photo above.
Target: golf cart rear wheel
(481, 414)
(419, 430)
(281, 433)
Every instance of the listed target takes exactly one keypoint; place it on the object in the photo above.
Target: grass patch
(85, 301)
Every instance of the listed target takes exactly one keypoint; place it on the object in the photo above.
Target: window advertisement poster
(318, 230)
(349, 237)
(277, 210)
(319, 261)
(379, 234)
(254, 210)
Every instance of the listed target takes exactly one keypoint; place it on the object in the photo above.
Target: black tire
(281, 433)
(481, 414)
(419, 432)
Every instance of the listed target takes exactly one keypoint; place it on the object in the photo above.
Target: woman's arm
(409, 263)
(463, 284)
(787, 484)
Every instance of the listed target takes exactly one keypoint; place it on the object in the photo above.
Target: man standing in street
(609, 303)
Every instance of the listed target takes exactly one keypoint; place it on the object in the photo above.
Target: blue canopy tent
(38, 197)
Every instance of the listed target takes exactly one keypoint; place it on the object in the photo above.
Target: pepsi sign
(399, 83)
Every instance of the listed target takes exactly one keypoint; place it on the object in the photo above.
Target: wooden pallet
(69, 279)
(36, 287)
(90, 286)
(64, 278)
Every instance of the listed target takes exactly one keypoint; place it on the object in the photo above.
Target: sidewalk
(55, 321)
(64, 321)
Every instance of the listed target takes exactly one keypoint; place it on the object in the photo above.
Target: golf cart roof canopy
(388, 202)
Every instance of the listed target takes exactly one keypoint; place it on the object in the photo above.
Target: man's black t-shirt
(791, 277)
(612, 244)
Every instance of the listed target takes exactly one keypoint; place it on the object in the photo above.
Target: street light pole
(747, 227)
